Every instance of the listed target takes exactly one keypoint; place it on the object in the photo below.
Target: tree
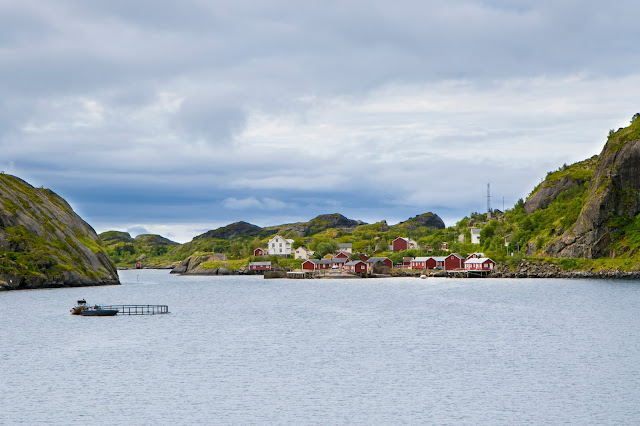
(325, 247)
(635, 117)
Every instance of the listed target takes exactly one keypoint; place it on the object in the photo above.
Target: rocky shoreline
(525, 269)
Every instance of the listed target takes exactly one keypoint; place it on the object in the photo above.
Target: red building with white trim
(259, 266)
(479, 264)
(453, 261)
(356, 266)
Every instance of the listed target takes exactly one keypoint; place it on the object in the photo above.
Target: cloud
(253, 203)
(137, 230)
(157, 115)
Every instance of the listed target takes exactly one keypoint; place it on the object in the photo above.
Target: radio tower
(489, 197)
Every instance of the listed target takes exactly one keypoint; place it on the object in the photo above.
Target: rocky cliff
(612, 201)
(560, 181)
(43, 243)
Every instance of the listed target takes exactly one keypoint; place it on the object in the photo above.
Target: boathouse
(479, 264)
(355, 266)
(259, 266)
(419, 263)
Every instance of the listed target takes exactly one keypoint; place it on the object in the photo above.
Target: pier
(139, 309)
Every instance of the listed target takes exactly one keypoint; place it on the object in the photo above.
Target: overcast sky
(177, 117)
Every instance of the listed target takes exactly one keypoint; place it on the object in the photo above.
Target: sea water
(244, 350)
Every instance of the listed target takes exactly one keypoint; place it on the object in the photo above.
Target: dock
(139, 309)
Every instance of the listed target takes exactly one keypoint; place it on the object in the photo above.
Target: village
(345, 262)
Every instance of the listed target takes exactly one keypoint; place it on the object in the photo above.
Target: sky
(178, 117)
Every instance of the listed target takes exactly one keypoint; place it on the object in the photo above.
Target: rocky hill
(428, 220)
(43, 243)
(318, 224)
(234, 230)
(612, 201)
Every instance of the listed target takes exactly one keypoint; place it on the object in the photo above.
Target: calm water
(243, 350)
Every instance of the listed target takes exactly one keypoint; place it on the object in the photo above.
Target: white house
(303, 253)
(345, 247)
(475, 235)
(279, 246)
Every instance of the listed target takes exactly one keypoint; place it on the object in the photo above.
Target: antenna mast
(489, 197)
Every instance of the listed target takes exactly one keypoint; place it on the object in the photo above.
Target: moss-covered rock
(43, 243)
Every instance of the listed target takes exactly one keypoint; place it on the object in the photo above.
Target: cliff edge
(44, 243)
(612, 201)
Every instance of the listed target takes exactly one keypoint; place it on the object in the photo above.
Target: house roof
(259, 263)
(331, 261)
(478, 260)
(421, 259)
(345, 245)
(477, 254)
(353, 262)
(376, 259)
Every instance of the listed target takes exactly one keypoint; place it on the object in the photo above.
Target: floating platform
(139, 309)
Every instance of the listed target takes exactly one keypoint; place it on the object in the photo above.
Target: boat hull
(99, 312)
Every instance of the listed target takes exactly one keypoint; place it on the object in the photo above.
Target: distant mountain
(43, 243)
(153, 239)
(234, 230)
(428, 220)
(318, 224)
(116, 236)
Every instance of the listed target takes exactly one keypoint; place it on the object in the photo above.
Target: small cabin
(356, 266)
(260, 266)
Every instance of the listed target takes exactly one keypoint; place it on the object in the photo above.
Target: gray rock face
(43, 243)
(613, 198)
(193, 265)
(546, 194)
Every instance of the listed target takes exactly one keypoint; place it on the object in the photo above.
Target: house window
(280, 244)
(280, 250)
(273, 245)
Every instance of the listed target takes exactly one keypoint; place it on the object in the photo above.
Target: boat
(424, 277)
(98, 311)
(80, 306)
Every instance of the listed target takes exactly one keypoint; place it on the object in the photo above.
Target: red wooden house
(356, 266)
(259, 252)
(364, 257)
(399, 244)
(259, 266)
(479, 264)
(453, 261)
(419, 263)
(435, 262)
(342, 255)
